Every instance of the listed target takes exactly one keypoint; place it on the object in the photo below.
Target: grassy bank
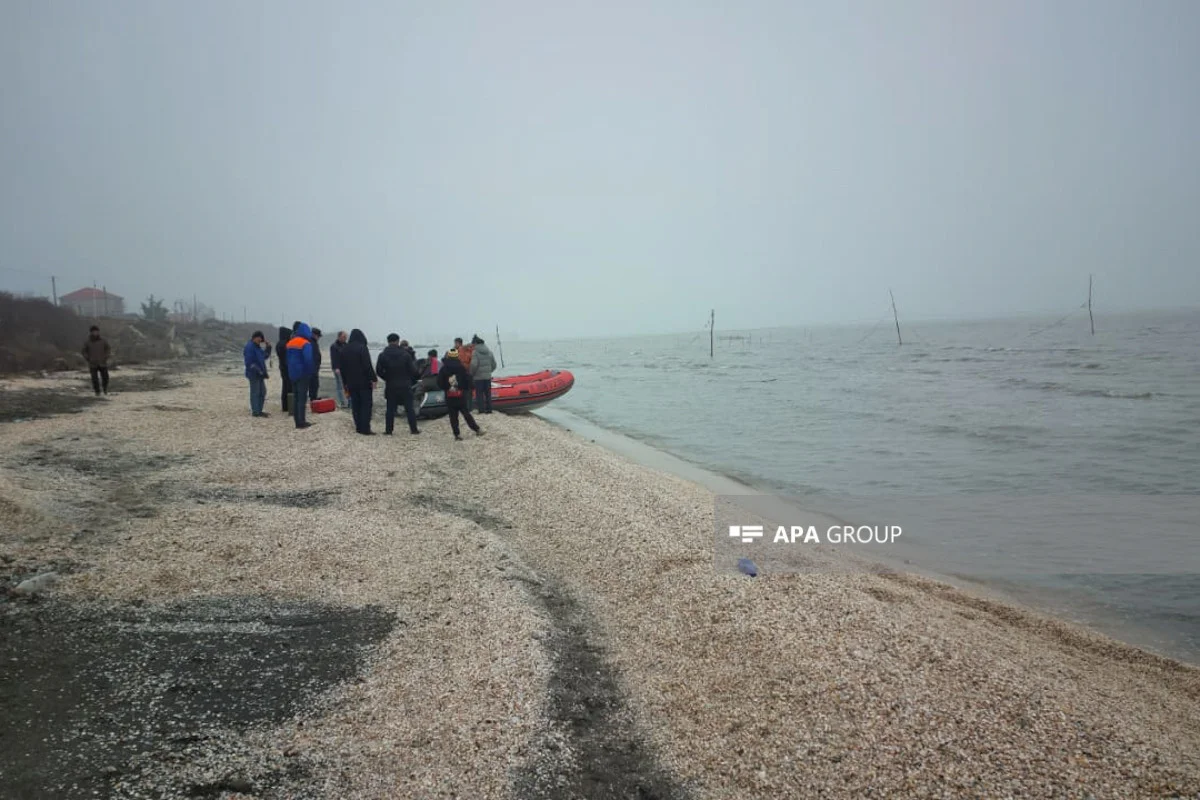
(38, 336)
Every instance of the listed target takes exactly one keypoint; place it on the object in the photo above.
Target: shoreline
(554, 601)
(1041, 601)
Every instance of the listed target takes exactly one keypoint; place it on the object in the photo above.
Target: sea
(1023, 423)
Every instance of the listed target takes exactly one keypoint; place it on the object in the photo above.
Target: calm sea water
(996, 409)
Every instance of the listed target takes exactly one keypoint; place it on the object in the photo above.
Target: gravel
(554, 626)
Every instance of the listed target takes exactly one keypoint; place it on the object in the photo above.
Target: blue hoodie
(300, 361)
(256, 360)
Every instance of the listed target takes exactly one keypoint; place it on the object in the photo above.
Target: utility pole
(500, 347)
(105, 290)
(1091, 319)
(896, 317)
(54, 289)
(94, 299)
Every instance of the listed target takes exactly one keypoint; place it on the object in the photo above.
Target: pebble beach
(265, 612)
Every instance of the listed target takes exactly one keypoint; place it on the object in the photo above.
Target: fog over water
(572, 170)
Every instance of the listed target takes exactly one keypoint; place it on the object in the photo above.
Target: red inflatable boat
(526, 392)
(514, 395)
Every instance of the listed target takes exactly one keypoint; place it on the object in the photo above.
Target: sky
(567, 169)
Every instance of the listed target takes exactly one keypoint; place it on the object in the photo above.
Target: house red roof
(87, 293)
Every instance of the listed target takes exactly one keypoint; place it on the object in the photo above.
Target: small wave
(1051, 386)
(1112, 395)
(1074, 365)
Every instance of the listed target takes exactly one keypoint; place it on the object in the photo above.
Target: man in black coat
(397, 369)
(358, 376)
(281, 356)
(455, 381)
(335, 363)
(314, 385)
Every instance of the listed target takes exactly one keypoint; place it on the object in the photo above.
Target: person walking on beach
(359, 378)
(285, 334)
(256, 372)
(314, 385)
(301, 369)
(335, 361)
(483, 364)
(96, 352)
(397, 369)
(455, 381)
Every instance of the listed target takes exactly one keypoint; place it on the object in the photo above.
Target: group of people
(464, 374)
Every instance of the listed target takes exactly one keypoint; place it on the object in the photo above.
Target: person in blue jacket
(256, 372)
(302, 368)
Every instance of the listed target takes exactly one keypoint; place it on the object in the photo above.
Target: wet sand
(249, 610)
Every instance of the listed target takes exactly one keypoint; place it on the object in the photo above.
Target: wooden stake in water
(500, 347)
(712, 318)
(896, 317)
(1091, 319)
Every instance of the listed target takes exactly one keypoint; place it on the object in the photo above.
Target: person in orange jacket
(464, 357)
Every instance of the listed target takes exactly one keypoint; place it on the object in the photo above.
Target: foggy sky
(582, 168)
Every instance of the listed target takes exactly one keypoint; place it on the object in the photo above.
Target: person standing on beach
(96, 352)
(314, 385)
(455, 381)
(285, 334)
(359, 378)
(335, 361)
(256, 372)
(301, 369)
(483, 364)
(397, 369)
(464, 357)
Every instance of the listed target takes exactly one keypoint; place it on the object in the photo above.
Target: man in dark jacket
(397, 369)
(335, 362)
(314, 385)
(281, 356)
(483, 363)
(455, 381)
(359, 378)
(96, 351)
(256, 372)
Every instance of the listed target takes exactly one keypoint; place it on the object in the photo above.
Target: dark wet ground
(69, 398)
(602, 754)
(155, 701)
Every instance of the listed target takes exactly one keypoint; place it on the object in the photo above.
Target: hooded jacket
(483, 363)
(355, 361)
(453, 368)
(396, 367)
(300, 361)
(256, 360)
(281, 352)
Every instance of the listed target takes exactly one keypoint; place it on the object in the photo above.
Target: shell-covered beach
(248, 610)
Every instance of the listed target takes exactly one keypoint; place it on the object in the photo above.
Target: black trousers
(400, 396)
(314, 386)
(99, 378)
(457, 408)
(287, 392)
(362, 404)
(483, 395)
